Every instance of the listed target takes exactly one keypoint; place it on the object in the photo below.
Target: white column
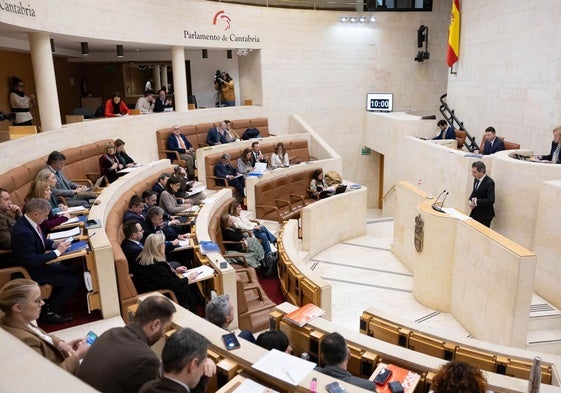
(45, 81)
(179, 78)
(359, 6)
(157, 80)
(164, 75)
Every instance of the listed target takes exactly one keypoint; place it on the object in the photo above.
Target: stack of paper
(203, 271)
(304, 314)
(76, 231)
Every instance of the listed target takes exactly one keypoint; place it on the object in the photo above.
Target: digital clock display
(379, 102)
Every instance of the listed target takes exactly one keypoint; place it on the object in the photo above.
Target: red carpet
(78, 308)
(272, 288)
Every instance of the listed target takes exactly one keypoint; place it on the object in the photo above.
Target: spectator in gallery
(9, 213)
(162, 102)
(20, 103)
(115, 106)
(225, 84)
(146, 102)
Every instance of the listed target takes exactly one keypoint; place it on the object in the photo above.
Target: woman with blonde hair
(154, 273)
(47, 175)
(42, 189)
(20, 300)
(109, 164)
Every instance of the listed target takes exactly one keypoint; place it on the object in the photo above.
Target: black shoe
(53, 318)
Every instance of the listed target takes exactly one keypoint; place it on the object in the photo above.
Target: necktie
(62, 180)
(476, 185)
(180, 142)
(40, 234)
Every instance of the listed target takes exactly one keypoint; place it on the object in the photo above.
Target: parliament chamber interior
(405, 284)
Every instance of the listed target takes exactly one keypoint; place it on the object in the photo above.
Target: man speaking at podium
(483, 195)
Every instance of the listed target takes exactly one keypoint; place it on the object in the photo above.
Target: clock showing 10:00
(379, 102)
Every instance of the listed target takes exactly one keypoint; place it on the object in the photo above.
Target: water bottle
(535, 376)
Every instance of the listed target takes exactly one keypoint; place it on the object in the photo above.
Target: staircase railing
(451, 118)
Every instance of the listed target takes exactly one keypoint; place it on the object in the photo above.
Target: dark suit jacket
(124, 158)
(131, 250)
(120, 361)
(28, 248)
(498, 145)
(148, 278)
(30, 338)
(163, 385)
(174, 145)
(550, 155)
(105, 164)
(213, 137)
(450, 134)
(344, 375)
(130, 215)
(159, 105)
(221, 170)
(485, 195)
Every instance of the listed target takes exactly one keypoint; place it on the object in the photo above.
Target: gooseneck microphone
(435, 203)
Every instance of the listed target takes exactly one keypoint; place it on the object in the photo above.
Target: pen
(313, 385)
(93, 234)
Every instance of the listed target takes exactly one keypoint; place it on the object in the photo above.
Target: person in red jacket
(115, 107)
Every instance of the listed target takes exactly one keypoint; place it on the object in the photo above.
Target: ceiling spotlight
(372, 19)
(362, 19)
(85, 48)
(344, 19)
(353, 19)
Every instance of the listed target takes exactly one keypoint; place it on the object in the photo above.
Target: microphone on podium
(435, 204)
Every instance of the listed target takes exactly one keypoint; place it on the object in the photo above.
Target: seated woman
(459, 377)
(154, 272)
(109, 164)
(122, 156)
(42, 189)
(318, 188)
(115, 107)
(47, 175)
(248, 246)
(252, 226)
(20, 300)
(169, 202)
(279, 158)
(244, 162)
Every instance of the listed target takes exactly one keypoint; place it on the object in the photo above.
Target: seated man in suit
(335, 355)
(160, 185)
(482, 197)
(217, 135)
(445, 131)
(131, 244)
(134, 212)
(179, 143)
(162, 102)
(75, 194)
(9, 213)
(492, 143)
(33, 250)
(226, 171)
(256, 155)
(555, 154)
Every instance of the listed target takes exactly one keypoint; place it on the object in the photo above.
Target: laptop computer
(97, 185)
(340, 189)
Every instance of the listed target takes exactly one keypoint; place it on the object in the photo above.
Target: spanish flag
(454, 35)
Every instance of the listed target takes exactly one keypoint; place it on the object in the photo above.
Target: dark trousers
(64, 282)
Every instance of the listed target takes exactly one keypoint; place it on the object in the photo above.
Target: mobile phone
(383, 376)
(335, 387)
(91, 222)
(395, 387)
(230, 341)
(90, 337)
(223, 265)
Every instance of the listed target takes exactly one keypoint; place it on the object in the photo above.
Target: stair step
(543, 316)
(547, 341)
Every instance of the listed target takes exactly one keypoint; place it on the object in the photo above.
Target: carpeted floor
(272, 288)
